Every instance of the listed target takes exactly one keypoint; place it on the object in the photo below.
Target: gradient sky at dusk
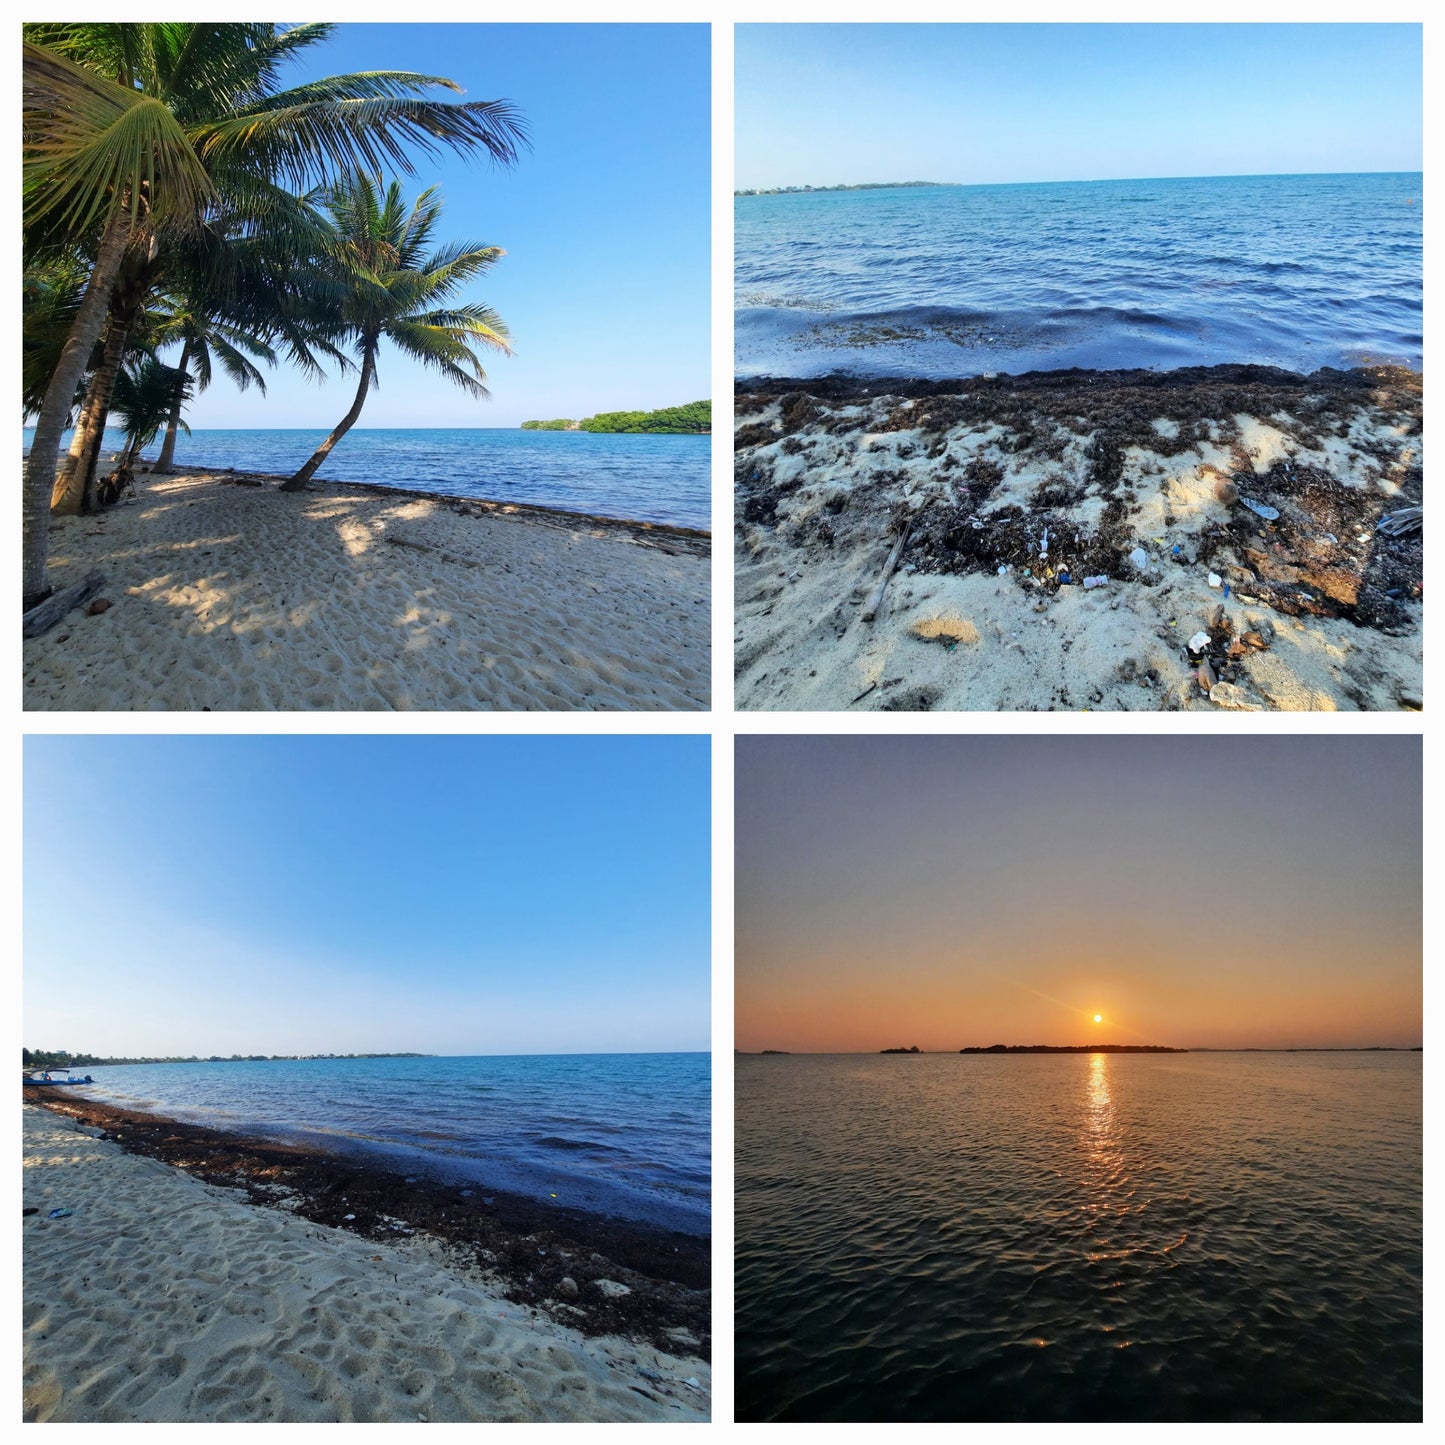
(974, 104)
(1197, 891)
(452, 894)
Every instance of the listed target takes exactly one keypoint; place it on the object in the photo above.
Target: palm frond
(90, 144)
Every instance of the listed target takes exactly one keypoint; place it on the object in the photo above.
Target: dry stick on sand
(875, 602)
(44, 615)
(435, 551)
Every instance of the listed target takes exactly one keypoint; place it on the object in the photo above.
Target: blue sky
(605, 221)
(976, 104)
(451, 895)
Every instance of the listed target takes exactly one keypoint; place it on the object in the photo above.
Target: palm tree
(146, 394)
(391, 284)
(206, 343)
(137, 129)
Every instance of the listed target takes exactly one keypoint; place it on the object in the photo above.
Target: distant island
(60, 1059)
(1073, 1049)
(861, 186)
(694, 418)
(914, 1050)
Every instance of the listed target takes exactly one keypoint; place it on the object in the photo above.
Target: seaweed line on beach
(1272, 483)
(596, 1274)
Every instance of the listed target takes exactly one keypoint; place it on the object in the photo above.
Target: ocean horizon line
(1075, 181)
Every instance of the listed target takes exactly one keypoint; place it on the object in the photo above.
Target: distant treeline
(696, 416)
(813, 190)
(61, 1059)
(1075, 1049)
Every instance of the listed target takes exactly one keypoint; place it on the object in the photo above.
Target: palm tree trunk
(298, 482)
(168, 447)
(76, 480)
(59, 396)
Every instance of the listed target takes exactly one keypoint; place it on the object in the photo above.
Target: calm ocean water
(637, 478)
(1092, 1237)
(623, 1134)
(1293, 271)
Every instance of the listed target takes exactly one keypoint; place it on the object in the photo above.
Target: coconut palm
(390, 284)
(137, 129)
(146, 394)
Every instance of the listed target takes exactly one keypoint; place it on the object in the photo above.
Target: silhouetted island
(914, 1050)
(775, 1051)
(1071, 1049)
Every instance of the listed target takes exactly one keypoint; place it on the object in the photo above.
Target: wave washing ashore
(617, 1134)
(632, 478)
(264, 1279)
(224, 594)
(1107, 1237)
(1224, 535)
(1297, 272)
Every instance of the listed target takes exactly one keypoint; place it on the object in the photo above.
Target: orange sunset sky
(1248, 892)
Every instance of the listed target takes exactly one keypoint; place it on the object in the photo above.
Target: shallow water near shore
(632, 477)
(942, 281)
(621, 1134)
(1181, 1237)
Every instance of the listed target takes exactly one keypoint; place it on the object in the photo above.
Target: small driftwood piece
(44, 615)
(875, 602)
(435, 551)
(1398, 524)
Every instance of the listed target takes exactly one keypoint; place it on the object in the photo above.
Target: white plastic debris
(1095, 581)
(1198, 642)
(1215, 580)
(1260, 509)
(1140, 558)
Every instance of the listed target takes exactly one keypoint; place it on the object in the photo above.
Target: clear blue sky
(606, 224)
(452, 895)
(974, 104)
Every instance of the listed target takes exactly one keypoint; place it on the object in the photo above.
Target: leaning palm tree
(135, 129)
(390, 284)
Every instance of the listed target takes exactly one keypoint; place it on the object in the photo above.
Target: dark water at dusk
(1089, 1237)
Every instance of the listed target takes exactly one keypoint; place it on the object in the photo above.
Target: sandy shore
(163, 1298)
(227, 594)
(1015, 490)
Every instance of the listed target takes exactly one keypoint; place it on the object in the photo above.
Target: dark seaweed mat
(1291, 565)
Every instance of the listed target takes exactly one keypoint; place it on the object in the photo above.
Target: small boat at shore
(46, 1081)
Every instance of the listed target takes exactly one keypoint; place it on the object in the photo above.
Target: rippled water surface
(624, 1134)
(636, 478)
(1294, 271)
(1089, 1237)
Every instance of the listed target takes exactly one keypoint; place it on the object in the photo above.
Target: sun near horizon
(961, 892)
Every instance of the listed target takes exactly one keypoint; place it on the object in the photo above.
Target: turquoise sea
(1293, 271)
(636, 478)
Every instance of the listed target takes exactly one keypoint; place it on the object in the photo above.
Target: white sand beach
(1015, 497)
(161, 1298)
(226, 594)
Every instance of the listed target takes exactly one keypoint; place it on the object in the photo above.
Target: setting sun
(1098, 1018)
